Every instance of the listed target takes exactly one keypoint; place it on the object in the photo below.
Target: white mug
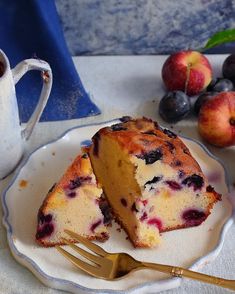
(12, 135)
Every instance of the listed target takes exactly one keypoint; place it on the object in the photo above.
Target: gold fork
(113, 266)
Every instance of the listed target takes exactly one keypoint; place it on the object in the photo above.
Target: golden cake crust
(142, 135)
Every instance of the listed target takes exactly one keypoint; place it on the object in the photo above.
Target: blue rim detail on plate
(43, 277)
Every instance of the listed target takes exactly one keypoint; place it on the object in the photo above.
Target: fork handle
(181, 272)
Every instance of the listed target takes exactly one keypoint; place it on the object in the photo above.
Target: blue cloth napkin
(31, 28)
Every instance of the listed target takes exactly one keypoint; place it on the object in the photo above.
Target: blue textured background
(94, 27)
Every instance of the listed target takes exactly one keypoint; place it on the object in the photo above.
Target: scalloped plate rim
(62, 284)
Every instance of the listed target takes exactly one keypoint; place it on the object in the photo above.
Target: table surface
(121, 85)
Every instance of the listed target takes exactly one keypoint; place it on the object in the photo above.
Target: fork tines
(97, 260)
(91, 246)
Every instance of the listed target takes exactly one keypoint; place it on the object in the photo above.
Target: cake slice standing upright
(150, 179)
(73, 203)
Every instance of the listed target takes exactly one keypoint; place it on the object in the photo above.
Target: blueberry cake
(74, 203)
(150, 179)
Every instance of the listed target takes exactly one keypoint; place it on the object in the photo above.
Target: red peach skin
(216, 122)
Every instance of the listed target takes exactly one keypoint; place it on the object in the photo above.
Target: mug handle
(46, 73)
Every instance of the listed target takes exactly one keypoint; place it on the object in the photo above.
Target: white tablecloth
(121, 85)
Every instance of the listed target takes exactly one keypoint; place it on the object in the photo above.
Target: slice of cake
(150, 179)
(73, 203)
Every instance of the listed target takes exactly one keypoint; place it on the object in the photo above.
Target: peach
(188, 71)
(216, 121)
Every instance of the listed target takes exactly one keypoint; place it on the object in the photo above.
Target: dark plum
(228, 68)
(220, 85)
(201, 100)
(174, 106)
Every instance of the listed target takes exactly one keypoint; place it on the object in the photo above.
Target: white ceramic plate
(189, 248)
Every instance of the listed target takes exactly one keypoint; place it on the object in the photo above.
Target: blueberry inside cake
(150, 179)
(74, 203)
